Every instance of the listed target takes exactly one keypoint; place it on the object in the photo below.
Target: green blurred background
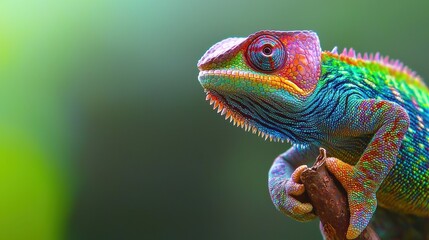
(105, 133)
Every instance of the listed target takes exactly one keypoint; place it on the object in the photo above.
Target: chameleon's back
(386, 80)
(380, 78)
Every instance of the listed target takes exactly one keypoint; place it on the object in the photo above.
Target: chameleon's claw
(360, 194)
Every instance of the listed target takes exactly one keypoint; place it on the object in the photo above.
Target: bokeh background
(105, 133)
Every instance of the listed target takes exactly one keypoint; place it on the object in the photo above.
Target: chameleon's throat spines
(237, 119)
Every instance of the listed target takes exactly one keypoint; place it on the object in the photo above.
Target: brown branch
(329, 200)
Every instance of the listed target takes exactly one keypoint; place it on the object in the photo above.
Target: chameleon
(370, 112)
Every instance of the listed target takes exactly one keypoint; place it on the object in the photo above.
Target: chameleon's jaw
(237, 119)
(224, 88)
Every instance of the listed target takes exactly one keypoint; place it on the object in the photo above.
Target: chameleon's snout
(219, 52)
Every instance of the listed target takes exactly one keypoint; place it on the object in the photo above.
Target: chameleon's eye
(266, 53)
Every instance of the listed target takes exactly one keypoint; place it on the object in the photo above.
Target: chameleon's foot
(360, 194)
(300, 211)
(282, 193)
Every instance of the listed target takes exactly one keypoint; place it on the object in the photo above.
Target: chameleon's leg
(388, 122)
(284, 183)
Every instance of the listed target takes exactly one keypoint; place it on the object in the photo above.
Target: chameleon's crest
(396, 66)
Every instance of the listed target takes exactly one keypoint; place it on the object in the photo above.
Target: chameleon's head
(258, 80)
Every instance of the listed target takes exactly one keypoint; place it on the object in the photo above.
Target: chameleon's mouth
(208, 77)
(220, 104)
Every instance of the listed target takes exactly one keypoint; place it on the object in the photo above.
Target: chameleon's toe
(294, 187)
(362, 207)
(352, 233)
(342, 171)
(296, 175)
(355, 230)
(298, 210)
(289, 204)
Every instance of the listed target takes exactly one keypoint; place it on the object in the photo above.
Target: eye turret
(266, 53)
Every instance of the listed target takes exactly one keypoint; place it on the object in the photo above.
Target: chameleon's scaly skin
(369, 112)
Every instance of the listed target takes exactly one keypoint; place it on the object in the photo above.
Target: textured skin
(369, 112)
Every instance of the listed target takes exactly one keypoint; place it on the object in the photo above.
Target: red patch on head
(299, 52)
(302, 65)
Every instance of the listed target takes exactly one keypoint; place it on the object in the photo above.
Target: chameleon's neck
(307, 114)
(328, 103)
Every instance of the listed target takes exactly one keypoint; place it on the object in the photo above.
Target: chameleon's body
(369, 112)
